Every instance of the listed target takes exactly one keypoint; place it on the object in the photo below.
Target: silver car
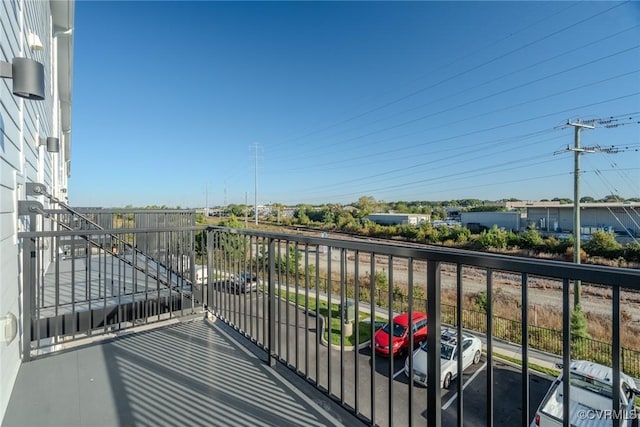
(471, 352)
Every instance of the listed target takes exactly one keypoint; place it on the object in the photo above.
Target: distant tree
(494, 238)
(578, 324)
(604, 244)
(301, 216)
(439, 213)
(563, 201)
(401, 207)
(632, 252)
(327, 217)
(231, 221)
(467, 203)
(348, 223)
(587, 199)
(611, 198)
(530, 238)
(367, 205)
(237, 210)
(490, 208)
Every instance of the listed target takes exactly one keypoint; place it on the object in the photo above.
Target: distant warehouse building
(621, 217)
(398, 218)
(477, 221)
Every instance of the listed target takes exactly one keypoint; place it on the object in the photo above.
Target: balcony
(136, 317)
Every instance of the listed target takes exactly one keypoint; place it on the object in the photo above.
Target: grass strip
(538, 368)
(364, 322)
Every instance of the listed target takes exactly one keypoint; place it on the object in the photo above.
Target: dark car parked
(244, 282)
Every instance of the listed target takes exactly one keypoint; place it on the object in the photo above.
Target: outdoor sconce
(53, 144)
(27, 75)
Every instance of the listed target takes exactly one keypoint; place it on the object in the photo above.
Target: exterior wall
(22, 160)
(506, 220)
(551, 218)
(620, 217)
(396, 219)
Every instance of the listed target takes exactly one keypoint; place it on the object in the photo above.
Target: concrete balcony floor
(194, 372)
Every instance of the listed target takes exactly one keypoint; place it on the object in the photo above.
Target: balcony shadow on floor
(188, 373)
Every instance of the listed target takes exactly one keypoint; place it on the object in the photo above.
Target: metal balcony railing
(313, 304)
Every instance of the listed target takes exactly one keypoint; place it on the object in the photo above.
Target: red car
(400, 341)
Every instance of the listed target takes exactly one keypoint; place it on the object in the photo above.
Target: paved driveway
(374, 385)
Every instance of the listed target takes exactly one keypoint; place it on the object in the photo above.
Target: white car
(590, 393)
(471, 352)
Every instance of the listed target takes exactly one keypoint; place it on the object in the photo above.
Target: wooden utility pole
(577, 284)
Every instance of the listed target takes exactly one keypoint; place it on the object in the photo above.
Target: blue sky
(175, 103)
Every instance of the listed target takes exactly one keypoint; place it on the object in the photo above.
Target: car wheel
(476, 357)
(447, 380)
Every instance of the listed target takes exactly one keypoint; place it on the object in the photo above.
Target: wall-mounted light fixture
(27, 75)
(53, 144)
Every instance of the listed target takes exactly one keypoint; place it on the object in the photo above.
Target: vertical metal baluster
(525, 350)
(87, 287)
(266, 267)
(306, 310)
(277, 292)
(114, 258)
(372, 286)
(343, 309)
(489, 348)
(411, 337)
(459, 302)
(434, 392)
(253, 266)
(356, 331)
(56, 301)
(74, 323)
(29, 261)
(615, 357)
(566, 353)
(234, 301)
(296, 284)
(391, 329)
(272, 303)
(329, 321)
(147, 312)
(318, 336)
(286, 306)
(157, 267)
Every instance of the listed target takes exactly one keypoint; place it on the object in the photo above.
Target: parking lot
(377, 386)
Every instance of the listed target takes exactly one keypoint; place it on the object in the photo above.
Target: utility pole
(246, 210)
(577, 284)
(255, 183)
(206, 201)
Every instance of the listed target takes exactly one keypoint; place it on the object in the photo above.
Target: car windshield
(591, 384)
(446, 351)
(398, 330)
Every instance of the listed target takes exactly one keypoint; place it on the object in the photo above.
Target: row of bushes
(602, 244)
